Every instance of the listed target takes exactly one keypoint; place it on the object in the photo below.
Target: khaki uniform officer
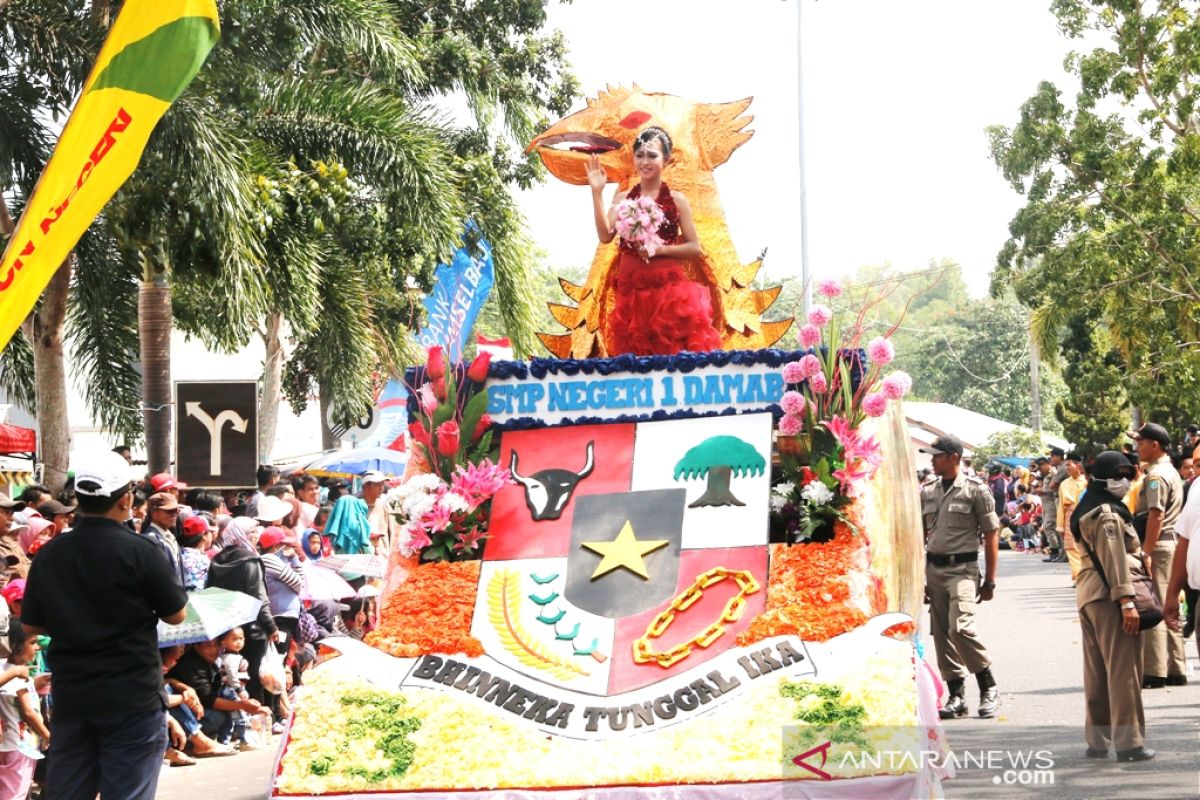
(1108, 619)
(1159, 504)
(956, 510)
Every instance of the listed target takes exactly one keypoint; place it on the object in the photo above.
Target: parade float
(688, 576)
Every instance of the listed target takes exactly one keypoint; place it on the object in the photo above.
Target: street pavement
(1032, 632)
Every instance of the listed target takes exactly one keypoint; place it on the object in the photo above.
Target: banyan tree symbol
(718, 458)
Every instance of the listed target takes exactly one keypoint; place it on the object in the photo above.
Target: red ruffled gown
(658, 310)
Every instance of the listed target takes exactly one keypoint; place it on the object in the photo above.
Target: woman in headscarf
(238, 567)
(1108, 618)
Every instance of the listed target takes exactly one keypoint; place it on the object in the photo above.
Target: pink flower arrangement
(810, 335)
(638, 221)
(478, 483)
(881, 351)
(447, 522)
(830, 393)
(897, 385)
(820, 315)
(830, 288)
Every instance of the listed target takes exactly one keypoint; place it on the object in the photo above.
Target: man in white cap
(373, 484)
(99, 591)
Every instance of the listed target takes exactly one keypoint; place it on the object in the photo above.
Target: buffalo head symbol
(547, 491)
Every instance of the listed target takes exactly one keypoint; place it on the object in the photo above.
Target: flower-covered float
(663, 577)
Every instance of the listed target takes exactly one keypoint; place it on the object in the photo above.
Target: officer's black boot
(956, 705)
(1053, 555)
(987, 693)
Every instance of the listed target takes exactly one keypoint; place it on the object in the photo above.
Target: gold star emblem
(624, 551)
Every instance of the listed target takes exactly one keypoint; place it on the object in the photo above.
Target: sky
(897, 99)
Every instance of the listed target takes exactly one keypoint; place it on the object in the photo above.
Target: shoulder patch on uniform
(1153, 483)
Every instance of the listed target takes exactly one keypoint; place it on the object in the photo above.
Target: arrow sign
(216, 435)
(214, 430)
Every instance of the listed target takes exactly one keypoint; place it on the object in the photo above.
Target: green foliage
(1018, 442)
(377, 721)
(1111, 221)
(1095, 414)
(303, 173)
(824, 706)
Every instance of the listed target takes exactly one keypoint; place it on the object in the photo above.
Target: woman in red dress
(658, 310)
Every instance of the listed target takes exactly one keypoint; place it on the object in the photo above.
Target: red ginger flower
(478, 371)
(435, 364)
(481, 427)
(447, 438)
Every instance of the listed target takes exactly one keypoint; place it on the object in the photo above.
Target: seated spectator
(21, 724)
(198, 669)
(195, 540)
(356, 617)
(184, 712)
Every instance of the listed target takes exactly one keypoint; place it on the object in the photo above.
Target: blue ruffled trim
(539, 368)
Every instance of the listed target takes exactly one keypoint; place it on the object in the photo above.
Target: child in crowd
(232, 667)
(21, 724)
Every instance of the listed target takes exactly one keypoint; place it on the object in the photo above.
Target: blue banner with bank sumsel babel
(460, 289)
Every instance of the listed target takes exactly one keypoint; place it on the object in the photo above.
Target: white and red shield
(653, 561)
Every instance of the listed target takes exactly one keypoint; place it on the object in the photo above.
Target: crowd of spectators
(222, 696)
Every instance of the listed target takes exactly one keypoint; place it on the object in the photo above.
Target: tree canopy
(1110, 229)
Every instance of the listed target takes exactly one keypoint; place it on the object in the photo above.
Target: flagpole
(805, 271)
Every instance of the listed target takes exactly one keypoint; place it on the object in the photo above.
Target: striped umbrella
(210, 613)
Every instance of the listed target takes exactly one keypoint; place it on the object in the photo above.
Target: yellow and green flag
(152, 53)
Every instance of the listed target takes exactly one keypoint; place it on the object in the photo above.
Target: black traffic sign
(216, 433)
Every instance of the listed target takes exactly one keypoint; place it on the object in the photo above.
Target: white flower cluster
(817, 493)
(780, 495)
(414, 497)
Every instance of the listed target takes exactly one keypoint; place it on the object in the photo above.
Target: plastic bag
(270, 671)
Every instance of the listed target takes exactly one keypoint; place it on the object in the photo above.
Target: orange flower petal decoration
(430, 612)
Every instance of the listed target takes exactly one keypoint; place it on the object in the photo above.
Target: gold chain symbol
(642, 654)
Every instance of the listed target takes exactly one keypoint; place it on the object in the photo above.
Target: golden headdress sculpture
(705, 135)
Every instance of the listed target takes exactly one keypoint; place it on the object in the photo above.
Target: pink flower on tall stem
(881, 351)
(819, 383)
(809, 365)
(820, 315)
(793, 372)
(875, 404)
(829, 288)
(792, 402)
(790, 425)
(810, 335)
(896, 385)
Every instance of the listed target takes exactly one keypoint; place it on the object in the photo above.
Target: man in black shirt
(99, 591)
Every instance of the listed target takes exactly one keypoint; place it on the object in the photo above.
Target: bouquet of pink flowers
(638, 221)
(825, 457)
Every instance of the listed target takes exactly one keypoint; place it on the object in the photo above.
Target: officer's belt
(948, 560)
